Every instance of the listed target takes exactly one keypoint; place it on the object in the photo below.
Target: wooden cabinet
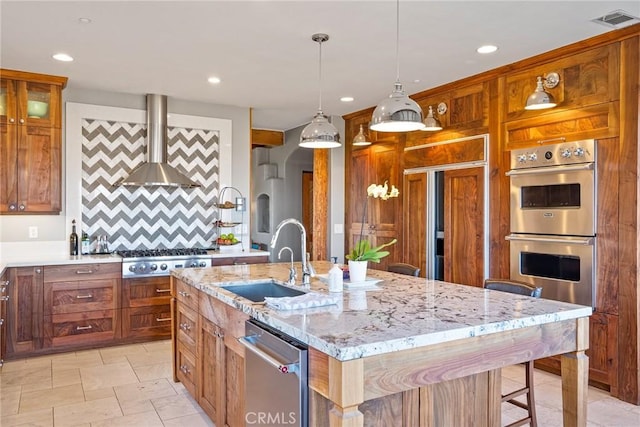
(81, 304)
(4, 297)
(382, 220)
(24, 311)
(415, 221)
(30, 142)
(209, 360)
(146, 311)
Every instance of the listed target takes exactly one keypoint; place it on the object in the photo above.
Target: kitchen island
(410, 351)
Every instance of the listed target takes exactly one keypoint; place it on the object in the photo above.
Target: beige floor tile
(41, 399)
(143, 419)
(26, 364)
(9, 402)
(136, 406)
(21, 377)
(178, 387)
(101, 393)
(62, 377)
(146, 390)
(138, 360)
(196, 420)
(87, 412)
(40, 418)
(119, 354)
(103, 376)
(44, 385)
(80, 359)
(153, 372)
(613, 412)
(175, 406)
(158, 346)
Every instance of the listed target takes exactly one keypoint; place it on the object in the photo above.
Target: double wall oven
(553, 220)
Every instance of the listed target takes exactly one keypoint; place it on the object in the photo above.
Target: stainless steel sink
(257, 291)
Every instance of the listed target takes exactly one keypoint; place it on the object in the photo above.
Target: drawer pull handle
(185, 326)
(84, 296)
(185, 294)
(5, 298)
(185, 369)
(83, 328)
(163, 319)
(162, 291)
(84, 271)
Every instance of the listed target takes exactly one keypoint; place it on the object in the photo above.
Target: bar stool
(520, 289)
(402, 268)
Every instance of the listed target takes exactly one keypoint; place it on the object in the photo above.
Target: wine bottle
(73, 239)
(86, 244)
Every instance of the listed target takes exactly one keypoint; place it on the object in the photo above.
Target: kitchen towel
(308, 300)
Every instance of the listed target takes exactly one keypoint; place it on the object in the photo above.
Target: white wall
(54, 229)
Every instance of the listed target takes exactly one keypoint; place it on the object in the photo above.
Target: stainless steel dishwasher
(276, 389)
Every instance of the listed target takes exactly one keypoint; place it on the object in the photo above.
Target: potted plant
(363, 252)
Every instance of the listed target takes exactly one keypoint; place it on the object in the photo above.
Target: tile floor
(131, 385)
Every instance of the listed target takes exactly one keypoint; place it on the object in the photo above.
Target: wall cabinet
(381, 222)
(81, 304)
(30, 142)
(24, 311)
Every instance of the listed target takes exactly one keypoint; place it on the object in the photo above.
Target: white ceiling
(263, 52)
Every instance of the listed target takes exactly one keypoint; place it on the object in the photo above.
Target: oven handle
(551, 169)
(585, 241)
(249, 343)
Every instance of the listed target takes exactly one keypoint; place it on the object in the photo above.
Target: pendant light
(320, 133)
(398, 112)
(360, 138)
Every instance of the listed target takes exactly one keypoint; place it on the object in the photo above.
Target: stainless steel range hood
(155, 171)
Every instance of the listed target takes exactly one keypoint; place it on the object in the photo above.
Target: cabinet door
(357, 196)
(603, 350)
(39, 169)
(8, 167)
(4, 297)
(25, 311)
(234, 380)
(464, 226)
(211, 380)
(415, 221)
(8, 102)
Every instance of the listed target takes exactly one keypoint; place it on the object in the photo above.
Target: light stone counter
(56, 259)
(403, 313)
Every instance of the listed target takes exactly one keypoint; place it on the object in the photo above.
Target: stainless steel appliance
(158, 262)
(553, 220)
(276, 386)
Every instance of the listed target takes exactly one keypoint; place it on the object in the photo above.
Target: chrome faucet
(307, 269)
(292, 271)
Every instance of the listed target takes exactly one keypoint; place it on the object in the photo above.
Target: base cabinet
(146, 313)
(24, 311)
(210, 363)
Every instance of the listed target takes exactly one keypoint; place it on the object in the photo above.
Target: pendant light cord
(398, 41)
(320, 78)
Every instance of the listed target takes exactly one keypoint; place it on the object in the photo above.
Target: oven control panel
(145, 267)
(565, 153)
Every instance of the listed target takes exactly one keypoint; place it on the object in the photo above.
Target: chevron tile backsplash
(148, 218)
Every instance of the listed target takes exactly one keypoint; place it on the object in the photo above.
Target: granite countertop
(403, 312)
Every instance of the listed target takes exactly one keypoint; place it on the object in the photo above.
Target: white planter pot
(357, 271)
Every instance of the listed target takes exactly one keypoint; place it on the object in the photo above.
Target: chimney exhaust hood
(155, 171)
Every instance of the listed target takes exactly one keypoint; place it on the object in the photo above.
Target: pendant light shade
(360, 138)
(398, 112)
(320, 133)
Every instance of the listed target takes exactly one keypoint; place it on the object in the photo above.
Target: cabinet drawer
(186, 294)
(151, 322)
(146, 291)
(76, 297)
(65, 273)
(186, 368)
(239, 260)
(186, 326)
(81, 329)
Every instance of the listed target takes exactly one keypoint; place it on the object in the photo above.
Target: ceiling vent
(617, 19)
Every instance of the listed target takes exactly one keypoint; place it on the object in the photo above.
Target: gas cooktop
(159, 262)
(155, 253)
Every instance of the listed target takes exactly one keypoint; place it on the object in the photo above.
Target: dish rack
(231, 211)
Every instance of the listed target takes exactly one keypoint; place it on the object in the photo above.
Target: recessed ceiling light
(63, 57)
(347, 99)
(488, 48)
(214, 80)
(416, 81)
(84, 20)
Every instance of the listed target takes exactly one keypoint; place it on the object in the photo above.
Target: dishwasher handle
(249, 343)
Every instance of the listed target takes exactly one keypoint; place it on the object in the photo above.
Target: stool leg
(531, 403)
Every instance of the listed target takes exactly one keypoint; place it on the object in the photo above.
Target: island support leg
(575, 379)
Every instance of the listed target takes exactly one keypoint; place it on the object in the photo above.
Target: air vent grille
(617, 19)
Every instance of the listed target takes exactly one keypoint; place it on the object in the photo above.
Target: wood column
(320, 203)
